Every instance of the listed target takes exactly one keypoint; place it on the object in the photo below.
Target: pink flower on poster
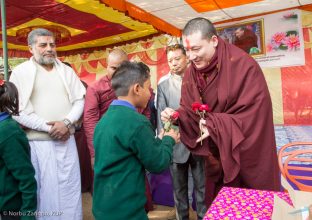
(292, 42)
(288, 40)
(278, 38)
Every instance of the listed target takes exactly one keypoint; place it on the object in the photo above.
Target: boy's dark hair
(202, 25)
(9, 98)
(128, 74)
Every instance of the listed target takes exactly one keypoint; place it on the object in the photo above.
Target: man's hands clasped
(59, 130)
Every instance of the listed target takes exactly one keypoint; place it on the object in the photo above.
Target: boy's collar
(123, 103)
(3, 116)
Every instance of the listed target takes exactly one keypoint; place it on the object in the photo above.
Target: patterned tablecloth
(237, 203)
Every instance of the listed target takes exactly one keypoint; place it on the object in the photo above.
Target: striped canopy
(87, 25)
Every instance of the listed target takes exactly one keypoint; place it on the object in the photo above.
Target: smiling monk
(238, 140)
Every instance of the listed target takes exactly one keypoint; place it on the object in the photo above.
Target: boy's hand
(161, 134)
(174, 134)
(165, 114)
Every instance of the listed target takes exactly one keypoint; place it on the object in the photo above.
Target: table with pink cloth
(237, 203)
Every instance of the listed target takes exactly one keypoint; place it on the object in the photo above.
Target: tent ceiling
(89, 23)
(178, 12)
(95, 23)
(175, 13)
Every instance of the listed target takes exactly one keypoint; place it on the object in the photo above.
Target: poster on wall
(274, 40)
(248, 35)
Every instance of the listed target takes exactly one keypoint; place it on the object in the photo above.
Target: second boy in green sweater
(18, 188)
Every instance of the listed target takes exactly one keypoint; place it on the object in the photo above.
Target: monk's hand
(204, 133)
(165, 114)
(59, 130)
(174, 134)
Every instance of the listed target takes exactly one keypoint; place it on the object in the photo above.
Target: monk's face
(239, 33)
(177, 61)
(199, 50)
(44, 50)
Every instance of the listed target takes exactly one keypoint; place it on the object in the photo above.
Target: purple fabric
(301, 173)
(162, 190)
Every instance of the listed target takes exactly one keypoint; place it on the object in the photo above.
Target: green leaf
(292, 32)
(167, 126)
(174, 127)
(283, 47)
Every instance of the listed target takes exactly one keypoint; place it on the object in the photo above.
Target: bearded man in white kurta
(51, 99)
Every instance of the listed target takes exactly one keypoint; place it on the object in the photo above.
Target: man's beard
(46, 60)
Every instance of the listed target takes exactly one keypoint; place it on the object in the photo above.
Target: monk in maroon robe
(240, 147)
(245, 39)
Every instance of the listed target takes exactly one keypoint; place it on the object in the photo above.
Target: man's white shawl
(23, 76)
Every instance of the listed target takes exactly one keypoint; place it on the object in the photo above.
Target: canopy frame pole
(4, 40)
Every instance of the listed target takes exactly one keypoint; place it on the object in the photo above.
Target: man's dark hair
(9, 98)
(202, 25)
(175, 47)
(128, 74)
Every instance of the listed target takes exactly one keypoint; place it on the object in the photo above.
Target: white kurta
(58, 178)
(56, 162)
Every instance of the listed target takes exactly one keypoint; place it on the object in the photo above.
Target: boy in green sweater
(125, 145)
(18, 196)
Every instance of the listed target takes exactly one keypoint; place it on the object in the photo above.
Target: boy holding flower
(125, 145)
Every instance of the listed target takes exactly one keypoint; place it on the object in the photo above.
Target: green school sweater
(17, 175)
(125, 145)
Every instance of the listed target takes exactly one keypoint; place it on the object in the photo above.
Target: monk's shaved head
(117, 54)
(114, 59)
(202, 25)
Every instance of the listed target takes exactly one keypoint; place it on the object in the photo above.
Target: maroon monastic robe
(247, 41)
(241, 149)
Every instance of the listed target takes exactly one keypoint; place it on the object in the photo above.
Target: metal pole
(4, 40)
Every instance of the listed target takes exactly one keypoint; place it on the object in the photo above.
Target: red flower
(169, 124)
(175, 116)
(196, 106)
(1, 82)
(204, 107)
(201, 110)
